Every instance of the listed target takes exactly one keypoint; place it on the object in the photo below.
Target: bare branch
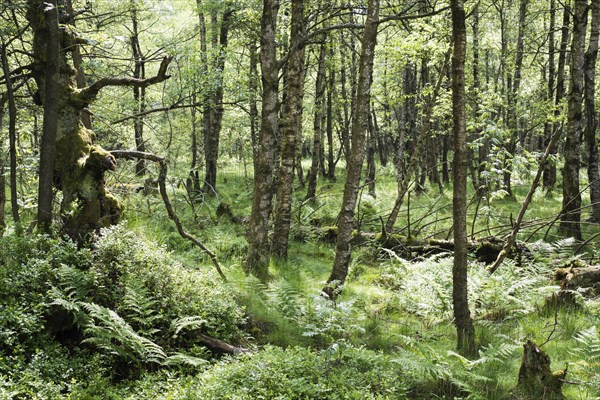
(162, 177)
(88, 94)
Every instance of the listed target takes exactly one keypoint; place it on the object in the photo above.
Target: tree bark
(590, 112)
(571, 211)
(359, 131)
(513, 94)
(139, 94)
(262, 197)
(50, 123)
(317, 127)
(213, 112)
(549, 177)
(460, 301)
(292, 123)
(2, 162)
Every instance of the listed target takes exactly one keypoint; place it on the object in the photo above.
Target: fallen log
(218, 346)
(578, 276)
(486, 250)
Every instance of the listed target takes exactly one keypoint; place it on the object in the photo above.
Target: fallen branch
(162, 177)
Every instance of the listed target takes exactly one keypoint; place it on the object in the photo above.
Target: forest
(299, 199)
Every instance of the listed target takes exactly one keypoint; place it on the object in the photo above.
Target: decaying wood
(536, 380)
(486, 250)
(219, 346)
(578, 276)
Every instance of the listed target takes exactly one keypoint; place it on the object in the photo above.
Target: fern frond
(194, 322)
(184, 359)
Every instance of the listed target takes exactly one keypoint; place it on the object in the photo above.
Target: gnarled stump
(536, 380)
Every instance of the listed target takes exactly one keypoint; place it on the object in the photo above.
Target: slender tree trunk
(462, 315)
(371, 145)
(481, 182)
(139, 94)
(403, 180)
(50, 124)
(318, 129)
(292, 123)
(213, 113)
(548, 126)
(345, 124)
(513, 94)
(262, 197)
(329, 126)
(12, 135)
(2, 179)
(194, 178)
(590, 112)
(571, 211)
(549, 176)
(253, 90)
(343, 249)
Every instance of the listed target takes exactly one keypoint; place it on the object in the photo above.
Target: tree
(292, 122)
(571, 210)
(591, 122)
(343, 247)
(80, 164)
(50, 124)
(262, 196)
(460, 300)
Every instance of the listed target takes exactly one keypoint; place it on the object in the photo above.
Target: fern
(75, 283)
(109, 332)
(139, 308)
(587, 349)
(286, 299)
(179, 324)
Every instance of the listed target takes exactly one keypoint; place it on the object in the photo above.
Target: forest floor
(389, 335)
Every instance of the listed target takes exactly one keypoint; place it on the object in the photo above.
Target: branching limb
(162, 177)
(88, 94)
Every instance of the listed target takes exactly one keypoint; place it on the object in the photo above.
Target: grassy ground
(399, 308)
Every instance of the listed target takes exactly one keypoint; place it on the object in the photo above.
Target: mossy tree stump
(536, 380)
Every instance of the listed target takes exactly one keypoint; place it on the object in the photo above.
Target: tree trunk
(12, 134)
(513, 94)
(253, 90)
(86, 118)
(213, 112)
(548, 126)
(139, 94)
(462, 315)
(371, 145)
(292, 123)
(590, 113)
(2, 179)
(318, 129)
(50, 124)
(329, 126)
(343, 248)
(194, 178)
(262, 197)
(571, 211)
(549, 177)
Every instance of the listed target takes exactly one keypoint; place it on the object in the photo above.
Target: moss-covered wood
(536, 380)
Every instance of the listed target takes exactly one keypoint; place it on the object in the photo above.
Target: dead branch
(162, 177)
